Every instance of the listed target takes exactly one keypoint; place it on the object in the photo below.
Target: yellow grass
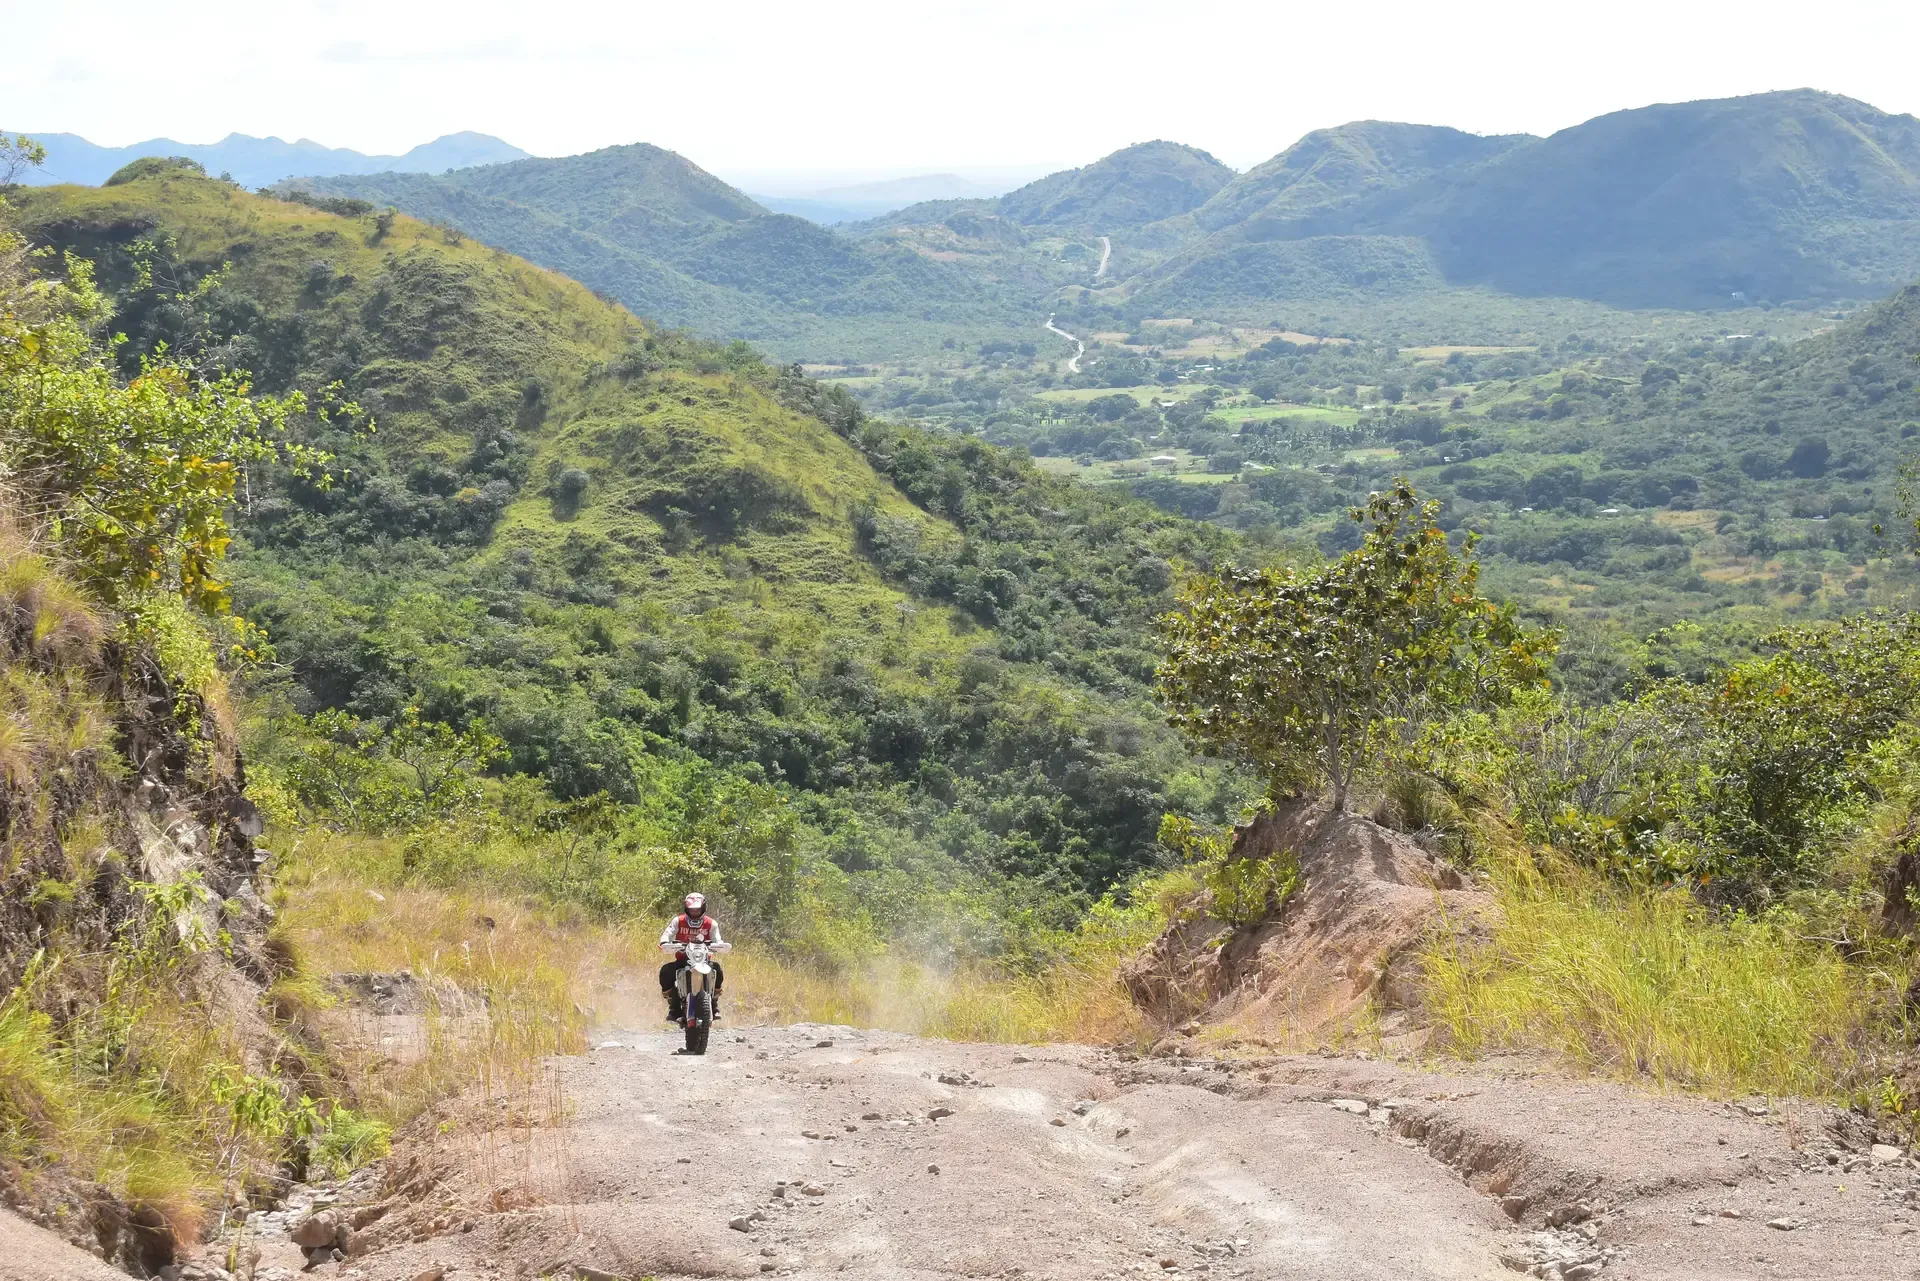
(507, 983)
(1642, 983)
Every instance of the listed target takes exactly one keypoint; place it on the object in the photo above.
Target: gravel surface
(819, 1152)
(827, 1152)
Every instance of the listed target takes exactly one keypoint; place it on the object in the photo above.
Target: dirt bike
(695, 984)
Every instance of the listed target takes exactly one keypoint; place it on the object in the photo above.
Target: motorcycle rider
(694, 924)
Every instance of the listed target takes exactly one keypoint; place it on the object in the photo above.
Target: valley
(1357, 361)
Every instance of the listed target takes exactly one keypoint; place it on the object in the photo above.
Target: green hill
(637, 556)
(1333, 168)
(1775, 198)
(1779, 196)
(657, 233)
(1137, 185)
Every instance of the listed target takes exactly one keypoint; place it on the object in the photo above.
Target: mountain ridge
(1789, 196)
(260, 162)
(1796, 198)
(654, 230)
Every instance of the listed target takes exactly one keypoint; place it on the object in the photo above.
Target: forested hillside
(660, 235)
(1781, 198)
(1144, 183)
(1333, 168)
(905, 668)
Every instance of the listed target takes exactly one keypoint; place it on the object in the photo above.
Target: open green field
(1145, 393)
(1344, 415)
(1189, 471)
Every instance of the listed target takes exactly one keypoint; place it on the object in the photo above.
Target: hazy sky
(853, 87)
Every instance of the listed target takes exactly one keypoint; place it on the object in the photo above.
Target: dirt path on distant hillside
(844, 1154)
(1080, 348)
(1106, 252)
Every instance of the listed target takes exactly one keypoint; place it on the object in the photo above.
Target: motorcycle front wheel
(699, 1021)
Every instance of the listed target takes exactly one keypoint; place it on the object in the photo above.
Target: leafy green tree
(1784, 742)
(589, 818)
(400, 777)
(1302, 674)
(134, 479)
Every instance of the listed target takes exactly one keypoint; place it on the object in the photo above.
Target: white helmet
(696, 903)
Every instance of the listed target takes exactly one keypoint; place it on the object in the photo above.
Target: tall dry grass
(506, 983)
(1643, 983)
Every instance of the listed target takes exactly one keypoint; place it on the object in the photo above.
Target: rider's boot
(675, 1013)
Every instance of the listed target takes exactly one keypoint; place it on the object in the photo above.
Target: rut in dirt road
(821, 1152)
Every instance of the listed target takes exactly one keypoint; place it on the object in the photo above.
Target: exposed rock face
(183, 812)
(126, 813)
(1367, 897)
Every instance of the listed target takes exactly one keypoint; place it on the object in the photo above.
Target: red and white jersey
(681, 930)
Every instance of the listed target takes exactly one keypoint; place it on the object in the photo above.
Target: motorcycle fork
(691, 981)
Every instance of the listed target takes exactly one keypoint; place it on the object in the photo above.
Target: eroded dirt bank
(840, 1153)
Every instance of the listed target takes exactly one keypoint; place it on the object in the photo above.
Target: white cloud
(858, 86)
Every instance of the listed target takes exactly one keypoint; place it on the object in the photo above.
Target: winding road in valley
(1080, 348)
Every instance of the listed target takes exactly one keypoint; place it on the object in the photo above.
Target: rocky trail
(827, 1152)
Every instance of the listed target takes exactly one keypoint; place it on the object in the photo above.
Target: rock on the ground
(316, 1230)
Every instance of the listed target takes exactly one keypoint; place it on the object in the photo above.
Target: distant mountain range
(1783, 197)
(260, 162)
(1792, 198)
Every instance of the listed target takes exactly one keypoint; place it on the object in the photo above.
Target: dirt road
(1106, 253)
(1079, 348)
(848, 1154)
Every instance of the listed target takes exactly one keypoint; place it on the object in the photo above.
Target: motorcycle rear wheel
(699, 1021)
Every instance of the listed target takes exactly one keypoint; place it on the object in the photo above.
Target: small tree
(1300, 674)
(18, 154)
